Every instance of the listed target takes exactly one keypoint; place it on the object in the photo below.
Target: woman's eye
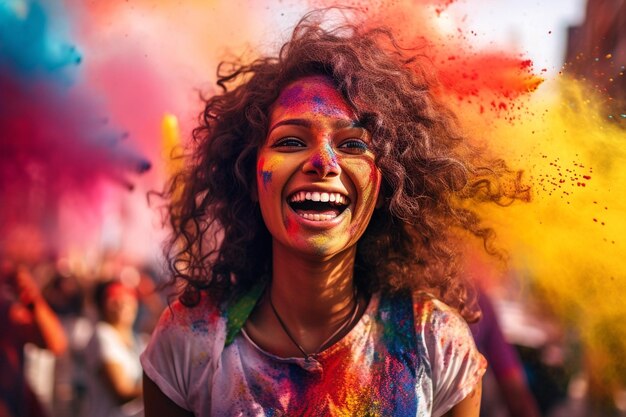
(356, 146)
(290, 142)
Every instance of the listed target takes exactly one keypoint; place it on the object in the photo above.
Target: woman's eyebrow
(349, 123)
(293, 122)
(339, 124)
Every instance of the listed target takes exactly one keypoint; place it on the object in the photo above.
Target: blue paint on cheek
(266, 177)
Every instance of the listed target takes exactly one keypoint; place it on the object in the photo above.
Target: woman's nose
(322, 162)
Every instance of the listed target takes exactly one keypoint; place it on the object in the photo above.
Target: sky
(537, 28)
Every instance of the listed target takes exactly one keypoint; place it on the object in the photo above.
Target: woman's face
(316, 177)
(120, 305)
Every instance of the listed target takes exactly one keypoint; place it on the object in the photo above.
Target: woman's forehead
(119, 290)
(313, 94)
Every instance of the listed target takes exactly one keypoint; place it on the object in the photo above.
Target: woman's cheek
(371, 177)
(264, 176)
(293, 229)
(266, 168)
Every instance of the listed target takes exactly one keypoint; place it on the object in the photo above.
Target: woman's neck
(314, 298)
(313, 292)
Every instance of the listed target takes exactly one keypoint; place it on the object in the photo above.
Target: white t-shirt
(406, 356)
(106, 345)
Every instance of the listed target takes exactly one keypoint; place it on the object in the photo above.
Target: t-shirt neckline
(358, 329)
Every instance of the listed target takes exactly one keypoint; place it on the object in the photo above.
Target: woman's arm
(124, 388)
(469, 406)
(158, 404)
(33, 318)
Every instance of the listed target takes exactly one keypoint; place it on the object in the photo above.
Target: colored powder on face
(325, 159)
(265, 169)
(293, 229)
(290, 97)
(374, 177)
(305, 98)
(327, 106)
(320, 243)
(265, 175)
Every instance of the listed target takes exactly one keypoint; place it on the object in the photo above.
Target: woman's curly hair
(219, 239)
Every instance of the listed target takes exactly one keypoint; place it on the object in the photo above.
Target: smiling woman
(321, 196)
(313, 238)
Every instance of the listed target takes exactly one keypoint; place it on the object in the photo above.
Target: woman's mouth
(318, 206)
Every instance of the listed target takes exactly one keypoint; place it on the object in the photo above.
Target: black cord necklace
(310, 356)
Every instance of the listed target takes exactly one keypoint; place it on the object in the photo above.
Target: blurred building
(596, 52)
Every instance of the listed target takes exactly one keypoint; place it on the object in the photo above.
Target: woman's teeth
(317, 217)
(318, 196)
(317, 205)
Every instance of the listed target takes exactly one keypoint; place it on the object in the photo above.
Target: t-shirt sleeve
(180, 352)
(456, 365)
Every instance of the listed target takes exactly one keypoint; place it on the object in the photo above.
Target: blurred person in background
(66, 296)
(114, 371)
(25, 317)
(152, 301)
(505, 369)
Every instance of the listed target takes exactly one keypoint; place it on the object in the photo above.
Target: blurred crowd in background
(70, 342)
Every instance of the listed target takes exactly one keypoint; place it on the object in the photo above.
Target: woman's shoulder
(204, 317)
(454, 363)
(427, 306)
(186, 342)
(184, 335)
(440, 326)
(437, 321)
